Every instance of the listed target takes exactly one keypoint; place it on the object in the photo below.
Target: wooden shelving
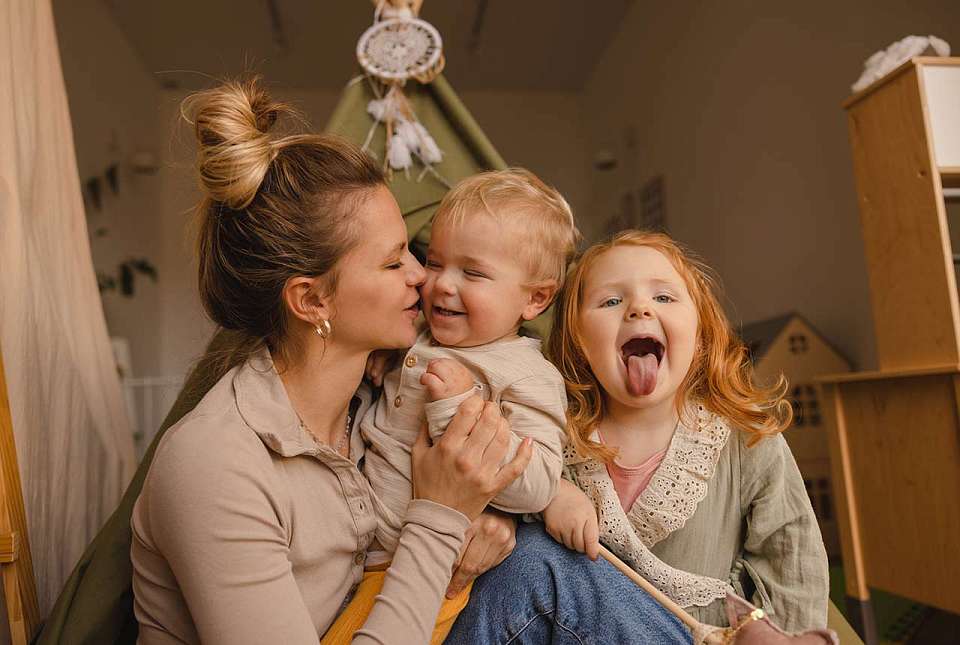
(895, 432)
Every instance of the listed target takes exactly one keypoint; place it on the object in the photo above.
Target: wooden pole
(16, 565)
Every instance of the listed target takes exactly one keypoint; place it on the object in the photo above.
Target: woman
(253, 520)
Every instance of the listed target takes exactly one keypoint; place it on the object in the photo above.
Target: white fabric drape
(73, 440)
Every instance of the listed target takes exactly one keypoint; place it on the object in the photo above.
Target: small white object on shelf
(886, 60)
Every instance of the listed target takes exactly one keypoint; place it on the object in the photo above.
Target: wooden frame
(16, 565)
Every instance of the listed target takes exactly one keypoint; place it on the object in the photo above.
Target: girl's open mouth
(642, 356)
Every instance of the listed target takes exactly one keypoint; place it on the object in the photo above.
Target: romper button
(397, 402)
(359, 558)
(411, 361)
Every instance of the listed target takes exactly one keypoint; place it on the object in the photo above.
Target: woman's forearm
(406, 610)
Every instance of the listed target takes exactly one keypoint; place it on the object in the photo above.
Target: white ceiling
(523, 44)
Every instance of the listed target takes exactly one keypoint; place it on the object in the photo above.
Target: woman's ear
(541, 295)
(308, 299)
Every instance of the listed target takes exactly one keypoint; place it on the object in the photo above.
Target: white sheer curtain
(73, 440)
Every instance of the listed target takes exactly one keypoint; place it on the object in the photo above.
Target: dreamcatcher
(398, 47)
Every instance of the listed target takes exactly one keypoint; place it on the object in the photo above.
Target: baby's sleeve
(535, 407)
(783, 552)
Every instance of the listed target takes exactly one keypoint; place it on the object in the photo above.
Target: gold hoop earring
(324, 328)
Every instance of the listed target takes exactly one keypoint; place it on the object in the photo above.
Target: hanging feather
(398, 154)
(429, 150)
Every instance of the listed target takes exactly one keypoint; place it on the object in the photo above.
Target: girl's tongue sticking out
(642, 357)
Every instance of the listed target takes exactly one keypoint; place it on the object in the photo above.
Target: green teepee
(96, 604)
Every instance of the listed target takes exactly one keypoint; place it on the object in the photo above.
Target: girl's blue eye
(610, 302)
(664, 298)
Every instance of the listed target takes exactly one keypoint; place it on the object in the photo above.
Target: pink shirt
(629, 481)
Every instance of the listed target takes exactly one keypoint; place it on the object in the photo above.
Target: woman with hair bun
(253, 521)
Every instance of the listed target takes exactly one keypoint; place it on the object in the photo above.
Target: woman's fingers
(483, 432)
(463, 421)
(473, 563)
(516, 466)
(496, 450)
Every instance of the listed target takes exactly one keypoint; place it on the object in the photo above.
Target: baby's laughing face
(477, 287)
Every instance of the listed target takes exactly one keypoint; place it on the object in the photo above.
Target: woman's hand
(572, 521)
(488, 542)
(462, 470)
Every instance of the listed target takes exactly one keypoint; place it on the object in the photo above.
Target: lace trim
(681, 481)
(665, 505)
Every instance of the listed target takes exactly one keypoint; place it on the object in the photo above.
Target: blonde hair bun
(235, 149)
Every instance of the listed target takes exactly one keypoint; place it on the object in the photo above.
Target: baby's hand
(379, 362)
(571, 520)
(445, 377)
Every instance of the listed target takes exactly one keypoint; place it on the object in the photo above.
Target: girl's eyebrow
(655, 282)
(662, 282)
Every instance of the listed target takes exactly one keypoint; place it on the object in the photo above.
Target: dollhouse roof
(759, 336)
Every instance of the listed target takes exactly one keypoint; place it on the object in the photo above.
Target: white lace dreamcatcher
(398, 47)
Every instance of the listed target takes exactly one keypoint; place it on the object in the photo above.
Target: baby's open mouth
(440, 311)
(642, 356)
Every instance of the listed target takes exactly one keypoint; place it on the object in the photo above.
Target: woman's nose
(417, 274)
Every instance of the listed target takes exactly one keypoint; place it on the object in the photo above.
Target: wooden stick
(658, 595)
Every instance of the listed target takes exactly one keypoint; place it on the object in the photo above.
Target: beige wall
(114, 110)
(738, 105)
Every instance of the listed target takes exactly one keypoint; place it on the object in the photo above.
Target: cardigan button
(359, 558)
(397, 402)
(411, 361)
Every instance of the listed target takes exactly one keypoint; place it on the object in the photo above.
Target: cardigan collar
(681, 481)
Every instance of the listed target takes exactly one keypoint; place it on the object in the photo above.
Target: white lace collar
(681, 481)
(670, 499)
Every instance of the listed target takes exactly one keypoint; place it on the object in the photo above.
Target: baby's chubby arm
(534, 406)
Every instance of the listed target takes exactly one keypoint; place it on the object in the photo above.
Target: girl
(675, 449)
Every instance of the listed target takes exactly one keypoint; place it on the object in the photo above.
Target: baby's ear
(541, 295)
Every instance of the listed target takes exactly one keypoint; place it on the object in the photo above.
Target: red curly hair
(720, 376)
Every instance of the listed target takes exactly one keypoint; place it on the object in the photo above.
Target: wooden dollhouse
(791, 346)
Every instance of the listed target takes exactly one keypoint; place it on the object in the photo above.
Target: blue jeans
(545, 593)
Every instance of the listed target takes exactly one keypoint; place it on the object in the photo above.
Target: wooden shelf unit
(895, 432)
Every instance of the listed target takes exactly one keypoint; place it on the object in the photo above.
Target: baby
(499, 249)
